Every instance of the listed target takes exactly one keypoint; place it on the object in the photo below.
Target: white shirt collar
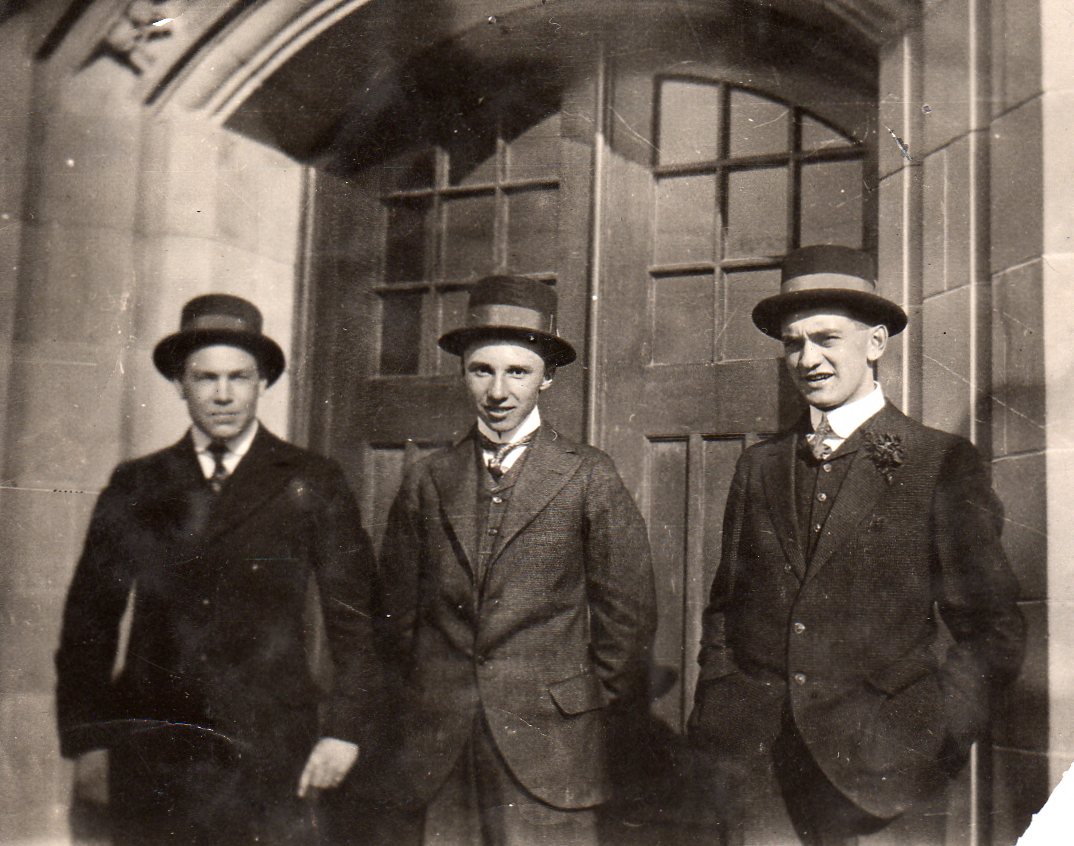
(237, 447)
(530, 424)
(848, 417)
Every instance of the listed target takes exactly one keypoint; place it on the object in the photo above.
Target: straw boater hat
(511, 307)
(828, 276)
(219, 319)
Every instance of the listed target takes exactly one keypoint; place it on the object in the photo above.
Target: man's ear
(878, 342)
(549, 375)
(180, 389)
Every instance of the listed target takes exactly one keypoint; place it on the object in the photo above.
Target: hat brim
(768, 314)
(554, 350)
(170, 355)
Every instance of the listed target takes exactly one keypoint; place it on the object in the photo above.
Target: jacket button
(799, 678)
(827, 468)
(203, 657)
(494, 531)
(206, 603)
(498, 500)
(822, 497)
(799, 628)
(786, 568)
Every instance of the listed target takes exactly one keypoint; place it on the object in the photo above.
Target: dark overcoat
(217, 670)
(542, 645)
(850, 636)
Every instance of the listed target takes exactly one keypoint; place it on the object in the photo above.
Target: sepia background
(352, 165)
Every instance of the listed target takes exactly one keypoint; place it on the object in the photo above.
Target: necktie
(500, 451)
(816, 443)
(218, 449)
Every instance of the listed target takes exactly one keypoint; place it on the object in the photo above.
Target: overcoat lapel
(858, 496)
(778, 481)
(261, 475)
(548, 467)
(456, 482)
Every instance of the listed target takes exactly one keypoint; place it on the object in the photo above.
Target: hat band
(816, 281)
(512, 316)
(212, 322)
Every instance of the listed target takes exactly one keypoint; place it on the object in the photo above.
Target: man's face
(829, 355)
(504, 379)
(221, 386)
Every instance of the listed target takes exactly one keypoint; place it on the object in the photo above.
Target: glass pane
(472, 157)
(832, 204)
(414, 169)
(452, 316)
(532, 227)
(535, 153)
(685, 228)
(758, 125)
(400, 333)
(739, 338)
(756, 213)
(683, 319)
(689, 122)
(817, 136)
(407, 241)
(468, 236)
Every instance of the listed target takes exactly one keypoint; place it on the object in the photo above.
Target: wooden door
(710, 179)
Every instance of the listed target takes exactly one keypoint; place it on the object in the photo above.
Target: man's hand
(328, 764)
(91, 777)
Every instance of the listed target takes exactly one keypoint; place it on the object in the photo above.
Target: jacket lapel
(261, 474)
(456, 482)
(777, 478)
(548, 467)
(858, 495)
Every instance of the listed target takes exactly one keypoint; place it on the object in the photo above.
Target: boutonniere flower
(885, 451)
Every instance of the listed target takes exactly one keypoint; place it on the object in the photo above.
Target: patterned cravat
(820, 450)
(218, 449)
(500, 451)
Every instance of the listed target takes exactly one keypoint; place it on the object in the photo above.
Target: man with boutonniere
(210, 733)
(516, 602)
(829, 703)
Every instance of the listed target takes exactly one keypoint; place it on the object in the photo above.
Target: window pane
(832, 204)
(758, 125)
(689, 123)
(472, 157)
(452, 316)
(817, 136)
(739, 338)
(683, 319)
(535, 153)
(407, 242)
(685, 219)
(756, 213)
(400, 333)
(532, 227)
(468, 235)
(413, 170)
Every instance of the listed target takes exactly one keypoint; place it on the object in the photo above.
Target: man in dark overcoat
(212, 723)
(824, 695)
(517, 600)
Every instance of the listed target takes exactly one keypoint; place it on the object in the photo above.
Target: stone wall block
(934, 224)
(29, 633)
(178, 184)
(43, 529)
(1017, 482)
(1020, 781)
(946, 92)
(78, 282)
(1018, 360)
(1015, 53)
(899, 102)
(947, 365)
(1016, 187)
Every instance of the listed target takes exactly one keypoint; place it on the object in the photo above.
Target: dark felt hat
(219, 319)
(813, 277)
(513, 307)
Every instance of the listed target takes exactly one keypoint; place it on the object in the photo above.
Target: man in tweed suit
(517, 601)
(820, 691)
(212, 727)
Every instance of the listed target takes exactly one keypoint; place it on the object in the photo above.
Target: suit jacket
(217, 639)
(555, 633)
(849, 638)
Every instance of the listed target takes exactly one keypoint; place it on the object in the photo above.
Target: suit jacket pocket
(906, 724)
(899, 675)
(578, 694)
